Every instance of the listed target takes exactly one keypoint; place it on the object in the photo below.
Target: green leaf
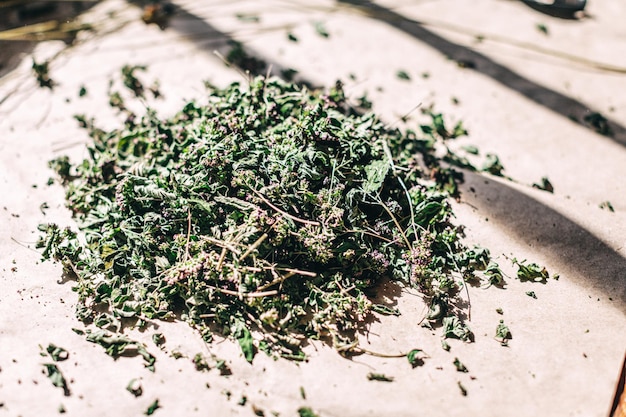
(306, 412)
(152, 407)
(245, 340)
(376, 173)
(531, 271)
(493, 165)
(416, 357)
(455, 328)
(531, 294)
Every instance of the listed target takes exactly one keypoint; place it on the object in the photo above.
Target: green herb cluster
(270, 214)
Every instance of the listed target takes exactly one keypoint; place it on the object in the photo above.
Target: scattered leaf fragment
(248, 18)
(455, 328)
(416, 357)
(545, 185)
(530, 271)
(56, 377)
(320, 28)
(459, 365)
(134, 387)
(306, 412)
(379, 377)
(302, 393)
(57, 353)
(200, 362)
(152, 407)
(503, 334)
(403, 75)
(607, 205)
(462, 389)
(542, 28)
(531, 294)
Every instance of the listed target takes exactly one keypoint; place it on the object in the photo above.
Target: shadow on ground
(546, 97)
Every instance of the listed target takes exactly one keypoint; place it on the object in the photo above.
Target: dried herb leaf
(134, 387)
(503, 334)
(416, 357)
(56, 377)
(379, 377)
(152, 407)
(57, 353)
(455, 328)
(459, 366)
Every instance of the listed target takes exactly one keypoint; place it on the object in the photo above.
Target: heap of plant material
(271, 209)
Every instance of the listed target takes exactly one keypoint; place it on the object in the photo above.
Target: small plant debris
(544, 185)
(503, 334)
(607, 205)
(41, 71)
(320, 28)
(403, 75)
(416, 357)
(459, 365)
(542, 28)
(56, 377)
(57, 353)
(599, 123)
(153, 407)
(531, 272)
(134, 387)
(531, 294)
(462, 389)
(379, 377)
(306, 412)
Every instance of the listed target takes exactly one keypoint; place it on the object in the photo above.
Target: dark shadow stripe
(558, 103)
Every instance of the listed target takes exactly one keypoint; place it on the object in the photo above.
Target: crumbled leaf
(445, 345)
(82, 92)
(542, 28)
(530, 271)
(493, 165)
(116, 345)
(306, 412)
(292, 37)
(57, 353)
(545, 185)
(599, 123)
(403, 75)
(385, 310)
(494, 274)
(379, 377)
(416, 357)
(134, 387)
(56, 377)
(462, 389)
(302, 393)
(503, 334)
(531, 294)
(320, 28)
(158, 339)
(62, 409)
(607, 205)
(471, 149)
(242, 401)
(152, 407)
(248, 18)
(200, 362)
(499, 311)
(459, 366)
(41, 71)
(455, 328)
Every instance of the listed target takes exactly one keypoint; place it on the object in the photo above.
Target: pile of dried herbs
(271, 210)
